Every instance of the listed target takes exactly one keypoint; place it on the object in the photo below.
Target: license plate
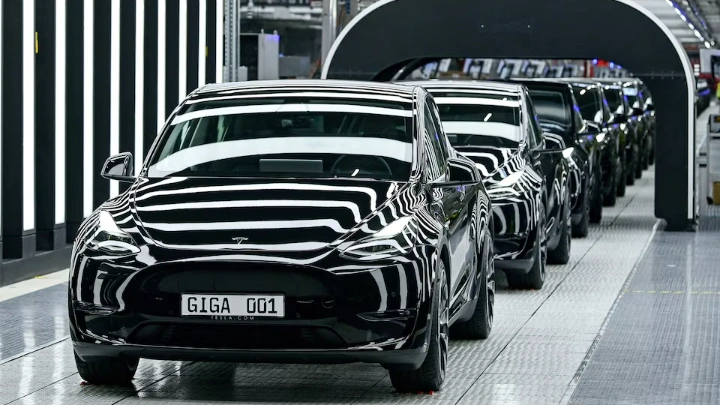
(270, 305)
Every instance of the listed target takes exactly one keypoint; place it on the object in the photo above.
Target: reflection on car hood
(493, 162)
(256, 214)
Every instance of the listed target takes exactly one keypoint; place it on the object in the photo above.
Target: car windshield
(632, 95)
(589, 102)
(553, 109)
(472, 119)
(615, 100)
(288, 137)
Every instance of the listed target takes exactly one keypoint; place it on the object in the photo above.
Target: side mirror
(553, 142)
(460, 172)
(650, 107)
(620, 118)
(119, 167)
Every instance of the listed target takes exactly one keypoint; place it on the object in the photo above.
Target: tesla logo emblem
(240, 240)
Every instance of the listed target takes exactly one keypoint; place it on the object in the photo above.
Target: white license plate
(270, 305)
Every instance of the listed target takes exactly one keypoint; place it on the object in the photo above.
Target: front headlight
(396, 239)
(109, 239)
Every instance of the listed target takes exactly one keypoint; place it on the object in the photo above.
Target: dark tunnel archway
(388, 34)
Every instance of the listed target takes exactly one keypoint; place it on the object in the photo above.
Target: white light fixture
(707, 45)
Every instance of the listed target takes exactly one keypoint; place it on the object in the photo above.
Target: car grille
(213, 336)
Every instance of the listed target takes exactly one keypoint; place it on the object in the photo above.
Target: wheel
(480, 325)
(581, 229)
(596, 204)
(652, 153)
(561, 254)
(107, 370)
(622, 180)
(632, 168)
(611, 197)
(431, 374)
(646, 160)
(535, 278)
(639, 165)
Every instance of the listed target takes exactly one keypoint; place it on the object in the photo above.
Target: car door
(547, 162)
(449, 202)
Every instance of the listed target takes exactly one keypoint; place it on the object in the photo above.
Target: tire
(632, 168)
(107, 370)
(639, 166)
(480, 325)
(622, 181)
(431, 374)
(596, 204)
(611, 198)
(581, 229)
(651, 158)
(561, 254)
(535, 278)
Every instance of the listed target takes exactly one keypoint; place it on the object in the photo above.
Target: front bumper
(329, 317)
(409, 358)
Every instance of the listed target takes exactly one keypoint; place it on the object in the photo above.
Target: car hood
(255, 214)
(491, 161)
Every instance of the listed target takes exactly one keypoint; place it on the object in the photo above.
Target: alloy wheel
(443, 320)
(543, 245)
(490, 274)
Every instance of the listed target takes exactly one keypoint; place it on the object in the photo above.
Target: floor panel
(539, 341)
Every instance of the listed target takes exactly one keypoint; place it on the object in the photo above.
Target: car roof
(510, 88)
(544, 81)
(259, 87)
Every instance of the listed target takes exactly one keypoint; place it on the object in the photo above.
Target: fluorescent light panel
(219, 41)
(60, 91)
(88, 108)
(114, 86)
(139, 82)
(28, 133)
(183, 54)
(202, 43)
(161, 64)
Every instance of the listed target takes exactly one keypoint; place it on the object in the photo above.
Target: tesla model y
(525, 173)
(292, 222)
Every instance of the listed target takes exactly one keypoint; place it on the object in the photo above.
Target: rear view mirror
(119, 167)
(553, 141)
(620, 118)
(460, 172)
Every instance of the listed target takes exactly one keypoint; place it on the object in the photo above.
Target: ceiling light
(707, 44)
(697, 34)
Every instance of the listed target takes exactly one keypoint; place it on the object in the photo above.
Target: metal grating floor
(540, 340)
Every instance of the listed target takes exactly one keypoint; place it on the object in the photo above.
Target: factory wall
(82, 80)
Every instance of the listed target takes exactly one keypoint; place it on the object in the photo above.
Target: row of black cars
(333, 222)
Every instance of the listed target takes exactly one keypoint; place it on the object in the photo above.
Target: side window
(605, 107)
(444, 143)
(535, 130)
(433, 156)
(434, 147)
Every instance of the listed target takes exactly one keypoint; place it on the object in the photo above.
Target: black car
(594, 108)
(640, 119)
(301, 222)
(558, 113)
(495, 125)
(648, 109)
(622, 115)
